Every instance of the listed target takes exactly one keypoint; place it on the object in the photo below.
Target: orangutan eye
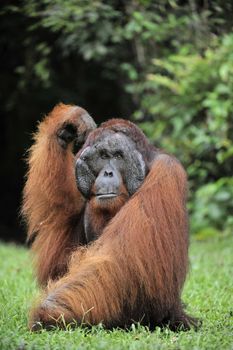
(118, 155)
(104, 154)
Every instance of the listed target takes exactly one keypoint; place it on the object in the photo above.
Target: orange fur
(99, 213)
(136, 269)
(52, 205)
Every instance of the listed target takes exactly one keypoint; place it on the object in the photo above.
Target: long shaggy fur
(135, 271)
(52, 205)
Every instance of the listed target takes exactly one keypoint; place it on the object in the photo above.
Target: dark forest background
(166, 65)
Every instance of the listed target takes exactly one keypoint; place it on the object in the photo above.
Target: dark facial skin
(107, 174)
(112, 157)
(107, 183)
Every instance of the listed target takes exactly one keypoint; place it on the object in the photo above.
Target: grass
(208, 293)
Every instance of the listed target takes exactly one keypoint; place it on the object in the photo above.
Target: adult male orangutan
(106, 212)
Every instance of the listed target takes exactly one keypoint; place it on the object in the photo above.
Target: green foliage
(208, 294)
(168, 63)
(209, 207)
(191, 97)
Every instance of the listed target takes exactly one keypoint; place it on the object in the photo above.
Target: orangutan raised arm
(52, 205)
(135, 270)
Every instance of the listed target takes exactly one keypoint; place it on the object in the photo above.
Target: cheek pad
(135, 171)
(84, 178)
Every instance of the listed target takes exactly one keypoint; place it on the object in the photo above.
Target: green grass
(208, 293)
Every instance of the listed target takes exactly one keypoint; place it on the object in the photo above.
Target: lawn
(208, 293)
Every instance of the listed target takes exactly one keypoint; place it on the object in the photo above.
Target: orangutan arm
(52, 205)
